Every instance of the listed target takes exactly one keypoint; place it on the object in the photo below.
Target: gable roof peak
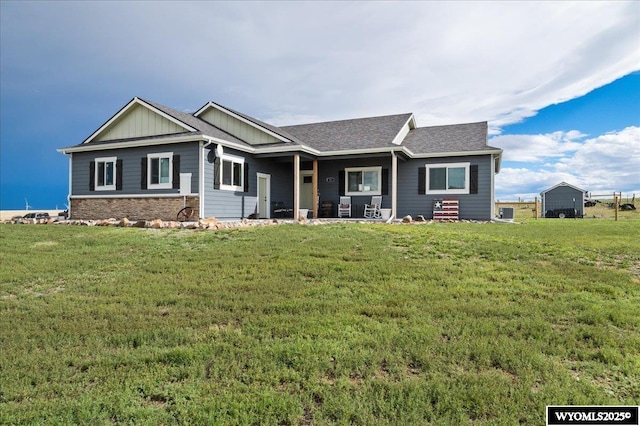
(274, 131)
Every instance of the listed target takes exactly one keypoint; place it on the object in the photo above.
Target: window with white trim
(160, 170)
(363, 181)
(232, 173)
(448, 178)
(105, 174)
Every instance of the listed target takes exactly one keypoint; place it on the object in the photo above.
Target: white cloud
(293, 62)
(445, 61)
(603, 164)
(532, 148)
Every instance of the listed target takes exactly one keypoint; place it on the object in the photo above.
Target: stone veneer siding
(165, 208)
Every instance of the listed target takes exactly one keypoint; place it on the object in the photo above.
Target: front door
(264, 195)
(306, 190)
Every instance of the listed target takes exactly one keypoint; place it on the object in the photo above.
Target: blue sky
(558, 82)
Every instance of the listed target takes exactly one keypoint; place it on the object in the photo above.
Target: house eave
(455, 154)
(130, 144)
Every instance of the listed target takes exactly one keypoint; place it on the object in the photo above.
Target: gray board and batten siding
(139, 122)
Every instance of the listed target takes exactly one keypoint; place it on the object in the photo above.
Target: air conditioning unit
(506, 213)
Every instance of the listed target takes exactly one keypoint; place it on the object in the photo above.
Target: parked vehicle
(627, 207)
(560, 213)
(36, 216)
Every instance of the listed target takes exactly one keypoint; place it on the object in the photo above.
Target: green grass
(333, 324)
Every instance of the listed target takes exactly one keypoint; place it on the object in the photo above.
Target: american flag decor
(445, 209)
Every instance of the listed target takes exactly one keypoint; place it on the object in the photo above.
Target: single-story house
(148, 161)
(563, 200)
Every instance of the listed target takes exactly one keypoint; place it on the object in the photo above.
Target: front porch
(318, 183)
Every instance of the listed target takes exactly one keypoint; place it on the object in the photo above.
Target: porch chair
(372, 211)
(344, 208)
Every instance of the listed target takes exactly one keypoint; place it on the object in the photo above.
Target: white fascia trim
(227, 144)
(244, 120)
(130, 105)
(132, 144)
(457, 154)
(404, 131)
(175, 195)
(498, 163)
(359, 151)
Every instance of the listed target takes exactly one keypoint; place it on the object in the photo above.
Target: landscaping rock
(156, 224)
(407, 219)
(208, 223)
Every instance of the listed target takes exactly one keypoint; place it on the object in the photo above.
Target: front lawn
(299, 325)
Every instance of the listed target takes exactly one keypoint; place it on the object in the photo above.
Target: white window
(450, 178)
(160, 170)
(105, 171)
(231, 173)
(363, 181)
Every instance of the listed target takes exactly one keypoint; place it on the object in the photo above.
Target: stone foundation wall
(131, 208)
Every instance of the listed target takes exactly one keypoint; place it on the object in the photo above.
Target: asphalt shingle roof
(349, 135)
(449, 138)
(359, 133)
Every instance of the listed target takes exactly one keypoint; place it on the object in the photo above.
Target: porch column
(296, 187)
(315, 189)
(394, 185)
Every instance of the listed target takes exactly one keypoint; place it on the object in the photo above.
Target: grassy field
(438, 324)
(524, 210)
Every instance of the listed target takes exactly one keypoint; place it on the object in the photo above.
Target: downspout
(492, 204)
(201, 158)
(70, 184)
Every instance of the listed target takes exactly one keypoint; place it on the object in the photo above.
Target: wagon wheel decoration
(185, 214)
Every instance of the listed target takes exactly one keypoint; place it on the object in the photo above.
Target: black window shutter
(92, 175)
(176, 172)
(246, 177)
(385, 181)
(422, 180)
(216, 173)
(341, 182)
(473, 179)
(143, 174)
(118, 175)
